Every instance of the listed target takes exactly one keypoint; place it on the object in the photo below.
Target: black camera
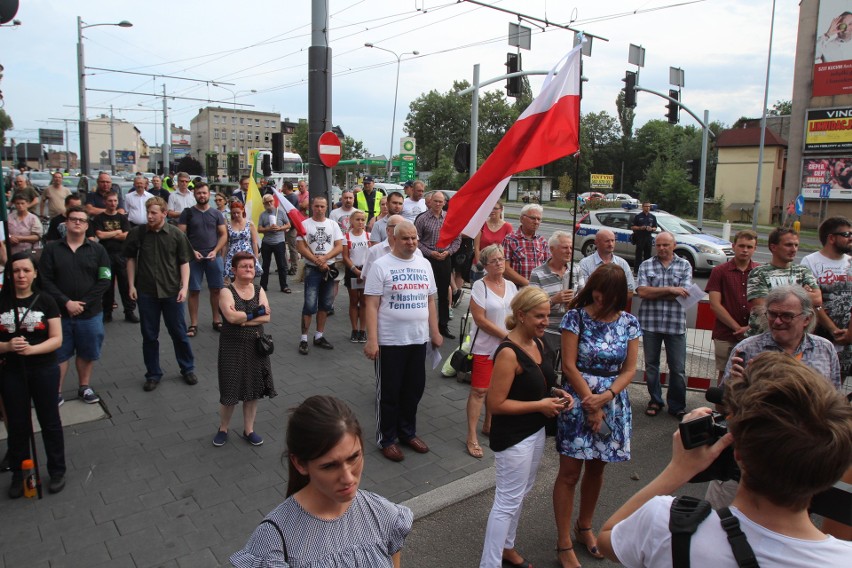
(706, 431)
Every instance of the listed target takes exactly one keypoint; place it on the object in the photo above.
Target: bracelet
(612, 392)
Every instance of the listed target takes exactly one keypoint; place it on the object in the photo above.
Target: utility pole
(166, 150)
(111, 141)
(319, 97)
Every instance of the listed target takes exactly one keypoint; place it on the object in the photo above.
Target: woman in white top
(490, 300)
(354, 255)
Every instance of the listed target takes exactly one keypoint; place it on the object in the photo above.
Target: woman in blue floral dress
(242, 237)
(600, 344)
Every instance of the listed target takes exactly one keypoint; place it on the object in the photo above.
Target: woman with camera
(600, 344)
(490, 301)
(522, 399)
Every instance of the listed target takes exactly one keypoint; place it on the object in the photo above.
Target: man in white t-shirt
(134, 202)
(401, 318)
(832, 269)
(783, 466)
(414, 205)
(322, 242)
(378, 251)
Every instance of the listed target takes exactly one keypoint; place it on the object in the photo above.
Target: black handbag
(461, 360)
(264, 345)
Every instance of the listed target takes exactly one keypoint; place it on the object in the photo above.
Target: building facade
(225, 130)
(106, 134)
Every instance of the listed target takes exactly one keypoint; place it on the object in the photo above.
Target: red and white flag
(295, 216)
(547, 130)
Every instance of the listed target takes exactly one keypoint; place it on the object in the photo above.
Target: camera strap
(687, 513)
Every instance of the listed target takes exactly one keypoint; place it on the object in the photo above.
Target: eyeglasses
(76, 220)
(785, 317)
(536, 219)
(496, 261)
(845, 234)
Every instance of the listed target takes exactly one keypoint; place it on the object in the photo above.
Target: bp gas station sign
(407, 160)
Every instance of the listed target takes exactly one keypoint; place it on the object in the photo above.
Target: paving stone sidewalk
(146, 487)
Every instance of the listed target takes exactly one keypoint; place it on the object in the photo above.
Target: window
(257, 137)
(243, 120)
(242, 135)
(266, 137)
(233, 135)
(215, 134)
(224, 149)
(242, 164)
(234, 120)
(215, 119)
(257, 122)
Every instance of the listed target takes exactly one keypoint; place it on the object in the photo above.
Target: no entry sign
(329, 149)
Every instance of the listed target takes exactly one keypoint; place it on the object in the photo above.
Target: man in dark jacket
(76, 272)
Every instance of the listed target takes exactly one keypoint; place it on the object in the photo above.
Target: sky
(262, 45)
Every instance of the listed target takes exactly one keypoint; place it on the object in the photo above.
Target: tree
(438, 122)
(352, 149)
(5, 124)
(189, 165)
(781, 108)
(300, 140)
(666, 184)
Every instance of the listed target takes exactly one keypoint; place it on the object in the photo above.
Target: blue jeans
(676, 357)
(319, 291)
(150, 308)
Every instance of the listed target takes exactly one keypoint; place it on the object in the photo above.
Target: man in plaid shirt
(525, 249)
(662, 279)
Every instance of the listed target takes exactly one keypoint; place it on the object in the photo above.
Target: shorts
(349, 275)
(319, 291)
(213, 270)
(723, 353)
(480, 375)
(83, 336)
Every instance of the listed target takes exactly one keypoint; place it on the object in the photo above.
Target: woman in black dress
(244, 374)
(30, 334)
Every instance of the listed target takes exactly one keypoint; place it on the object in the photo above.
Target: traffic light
(629, 89)
(266, 165)
(461, 159)
(233, 166)
(513, 65)
(673, 107)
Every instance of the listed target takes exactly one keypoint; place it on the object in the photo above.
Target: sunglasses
(845, 234)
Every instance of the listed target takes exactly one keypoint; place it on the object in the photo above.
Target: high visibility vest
(361, 203)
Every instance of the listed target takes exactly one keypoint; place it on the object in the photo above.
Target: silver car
(701, 250)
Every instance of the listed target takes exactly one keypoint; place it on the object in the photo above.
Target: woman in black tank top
(522, 399)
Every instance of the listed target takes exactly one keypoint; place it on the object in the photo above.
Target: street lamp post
(81, 87)
(234, 112)
(395, 95)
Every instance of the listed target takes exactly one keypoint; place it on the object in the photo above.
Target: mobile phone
(741, 355)
(604, 430)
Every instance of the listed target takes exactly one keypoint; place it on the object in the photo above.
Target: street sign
(50, 137)
(825, 191)
(329, 149)
(800, 205)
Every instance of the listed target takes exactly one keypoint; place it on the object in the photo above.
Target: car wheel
(687, 257)
(589, 248)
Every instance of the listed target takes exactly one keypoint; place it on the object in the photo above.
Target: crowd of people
(554, 346)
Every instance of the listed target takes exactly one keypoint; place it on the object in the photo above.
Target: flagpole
(576, 177)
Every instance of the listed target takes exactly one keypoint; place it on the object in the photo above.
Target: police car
(701, 250)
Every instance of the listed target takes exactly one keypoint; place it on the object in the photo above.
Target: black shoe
(354, 336)
(131, 317)
(107, 317)
(323, 343)
(190, 378)
(303, 347)
(150, 385)
(457, 297)
(446, 333)
(330, 312)
(56, 484)
(16, 490)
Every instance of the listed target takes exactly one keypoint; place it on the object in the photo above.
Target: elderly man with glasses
(526, 248)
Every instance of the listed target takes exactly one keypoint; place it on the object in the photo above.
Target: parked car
(701, 250)
(622, 197)
(40, 180)
(591, 195)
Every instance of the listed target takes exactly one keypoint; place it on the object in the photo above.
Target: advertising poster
(827, 178)
(828, 130)
(833, 55)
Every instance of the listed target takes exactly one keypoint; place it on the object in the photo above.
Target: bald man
(605, 245)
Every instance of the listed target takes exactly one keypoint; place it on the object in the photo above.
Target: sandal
(217, 326)
(286, 290)
(475, 450)
(653, 409)
(593, 549)
(567, 549)
(191, 331)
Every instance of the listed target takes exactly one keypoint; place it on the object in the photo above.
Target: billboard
(180, 139)
(50, 137)
(827, 178)
(833, 53)
(602, 181)
(125, 157)
(828, 130)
